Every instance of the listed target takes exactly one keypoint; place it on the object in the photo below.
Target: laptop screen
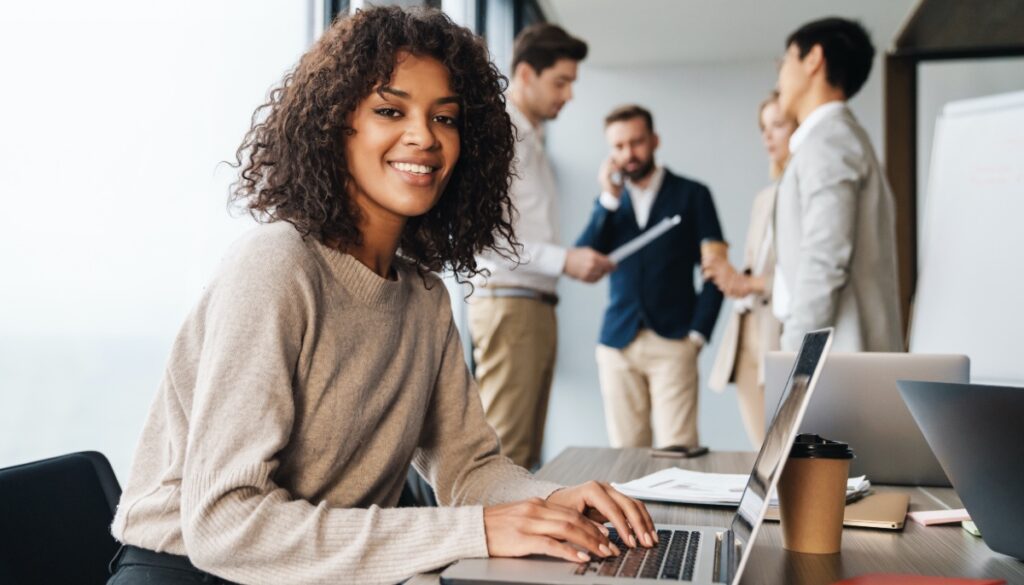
(779, 439)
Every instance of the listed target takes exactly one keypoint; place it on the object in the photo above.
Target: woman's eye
(387, 112)
(446, 120)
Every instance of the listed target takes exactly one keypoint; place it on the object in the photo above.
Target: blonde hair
(775, 168)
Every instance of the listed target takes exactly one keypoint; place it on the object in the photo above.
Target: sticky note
(930, 517)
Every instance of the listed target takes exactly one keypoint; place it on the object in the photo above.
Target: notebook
(883, 510)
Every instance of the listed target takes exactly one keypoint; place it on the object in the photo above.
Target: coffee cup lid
(810, 446)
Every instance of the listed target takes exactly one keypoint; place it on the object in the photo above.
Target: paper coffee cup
(812, 495)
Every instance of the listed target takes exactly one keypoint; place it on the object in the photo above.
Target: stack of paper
(714, 489)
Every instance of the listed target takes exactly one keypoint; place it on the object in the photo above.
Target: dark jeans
(135, 566)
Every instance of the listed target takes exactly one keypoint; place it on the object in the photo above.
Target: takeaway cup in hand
(812, 495)
(712, 251)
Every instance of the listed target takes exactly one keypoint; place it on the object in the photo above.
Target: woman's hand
(601, 502)
(736, 286)
(541, 527)
(733, 284)
(715, 269)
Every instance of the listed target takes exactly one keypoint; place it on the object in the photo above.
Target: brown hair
(541, 45)
(292, 160)
(629, 112)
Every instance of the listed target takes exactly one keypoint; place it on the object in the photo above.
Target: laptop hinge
(725, 557)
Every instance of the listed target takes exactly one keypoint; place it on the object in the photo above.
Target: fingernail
(616, 550)
(632, 541)
(647, 540)
(583, 556)
(603, 529)
(655, 536)
(605, 550)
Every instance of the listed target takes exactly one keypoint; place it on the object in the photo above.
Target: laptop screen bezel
(790, 438)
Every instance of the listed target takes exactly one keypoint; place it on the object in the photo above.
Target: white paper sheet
(622, 252)
(683, 486)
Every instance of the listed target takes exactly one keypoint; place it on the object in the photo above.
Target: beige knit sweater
(297, 393)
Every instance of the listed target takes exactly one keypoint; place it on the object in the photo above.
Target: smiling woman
(404, 144)
(322, 360)
(423, 83)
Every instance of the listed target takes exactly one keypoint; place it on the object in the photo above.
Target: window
(117, 115)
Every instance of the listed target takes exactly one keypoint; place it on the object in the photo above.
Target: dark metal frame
(901, 99)
(525, 13)
(333, 8)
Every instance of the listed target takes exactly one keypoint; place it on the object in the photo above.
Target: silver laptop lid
(777, 443)
(856, 402)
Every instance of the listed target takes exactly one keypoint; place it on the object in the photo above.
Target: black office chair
(416, 493)
(55, 519)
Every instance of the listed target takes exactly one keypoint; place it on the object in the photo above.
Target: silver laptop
(857, 402)
(693, 554)
(976, 432)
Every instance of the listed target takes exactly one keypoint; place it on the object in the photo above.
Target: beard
(645, 167)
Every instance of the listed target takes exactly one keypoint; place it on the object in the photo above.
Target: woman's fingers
(515, 529)
(599, 499)
(637, 514)
(577, 528)
(612, 504)
(582, 533)
(561, 528)
(545, 545)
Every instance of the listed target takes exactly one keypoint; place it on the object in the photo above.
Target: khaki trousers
(514, 343)
(749, 392)
(650, 391)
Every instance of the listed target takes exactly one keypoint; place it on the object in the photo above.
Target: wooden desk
(936, 550)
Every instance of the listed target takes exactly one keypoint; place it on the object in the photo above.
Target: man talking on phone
(656, 322)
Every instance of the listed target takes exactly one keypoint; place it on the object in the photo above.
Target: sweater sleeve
(236, 522)
(459, 452)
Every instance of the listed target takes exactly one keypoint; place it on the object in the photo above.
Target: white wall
(116, 115)
(707, 119)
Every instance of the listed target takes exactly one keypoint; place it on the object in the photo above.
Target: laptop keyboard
(672, 559)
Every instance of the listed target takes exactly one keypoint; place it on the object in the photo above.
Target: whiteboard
(970, 288)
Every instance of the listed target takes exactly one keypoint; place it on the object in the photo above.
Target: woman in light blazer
(753, 330)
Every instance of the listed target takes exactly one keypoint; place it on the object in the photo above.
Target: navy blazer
(654, 287)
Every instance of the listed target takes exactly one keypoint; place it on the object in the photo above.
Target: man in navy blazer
(656, 322)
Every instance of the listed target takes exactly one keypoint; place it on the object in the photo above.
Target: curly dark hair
(292, 160)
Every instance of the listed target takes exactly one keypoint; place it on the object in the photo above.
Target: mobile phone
(617, 179)
(680, 451)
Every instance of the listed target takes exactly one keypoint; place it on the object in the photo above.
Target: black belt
(133, 555)
(514, 292)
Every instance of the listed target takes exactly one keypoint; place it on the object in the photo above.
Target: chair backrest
(55, 520)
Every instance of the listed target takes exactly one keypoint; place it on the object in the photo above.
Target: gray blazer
(835, 238)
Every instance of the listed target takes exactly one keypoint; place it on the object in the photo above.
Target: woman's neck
(378, 248)
(381, 233)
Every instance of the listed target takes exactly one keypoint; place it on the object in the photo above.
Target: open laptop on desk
(857, 402)
(693, 554)
(976, 431)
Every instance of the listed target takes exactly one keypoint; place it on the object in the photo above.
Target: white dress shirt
(534, 194)
(642, 199)
(780, 293)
